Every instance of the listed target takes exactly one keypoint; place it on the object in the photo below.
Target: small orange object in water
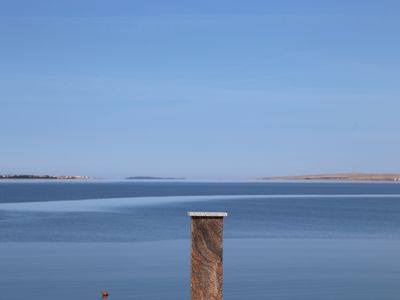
(104, 294)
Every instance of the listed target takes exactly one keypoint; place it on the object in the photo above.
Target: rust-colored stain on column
(207, 250)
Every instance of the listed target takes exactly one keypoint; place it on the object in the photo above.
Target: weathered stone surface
(207, 248)
(207, 214)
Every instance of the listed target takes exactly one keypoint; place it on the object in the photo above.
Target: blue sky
(206, 89)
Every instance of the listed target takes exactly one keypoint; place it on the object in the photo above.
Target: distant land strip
(341, 177)
(8, 176)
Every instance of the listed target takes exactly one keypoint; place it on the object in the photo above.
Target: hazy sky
(199, 89)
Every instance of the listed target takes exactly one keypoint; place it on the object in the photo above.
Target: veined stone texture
(207, 248)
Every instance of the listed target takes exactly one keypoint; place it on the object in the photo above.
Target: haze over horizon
(215, 90)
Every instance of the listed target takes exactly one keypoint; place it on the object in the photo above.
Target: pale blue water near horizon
(283, 240)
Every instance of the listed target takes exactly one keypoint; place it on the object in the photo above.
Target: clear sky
(200, 89)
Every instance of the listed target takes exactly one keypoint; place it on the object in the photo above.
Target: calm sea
(292, 240)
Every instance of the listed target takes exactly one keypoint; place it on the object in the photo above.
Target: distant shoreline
(341, 177)
(45, 177)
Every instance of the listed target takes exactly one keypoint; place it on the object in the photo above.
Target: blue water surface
(283, 240)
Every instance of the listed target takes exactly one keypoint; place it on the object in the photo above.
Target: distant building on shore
(24, 176)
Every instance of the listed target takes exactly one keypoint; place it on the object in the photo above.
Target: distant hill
(341, 176)
(153, 178)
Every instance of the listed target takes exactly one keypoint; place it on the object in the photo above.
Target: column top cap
(207, 214)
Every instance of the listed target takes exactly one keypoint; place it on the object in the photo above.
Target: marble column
(207, 248)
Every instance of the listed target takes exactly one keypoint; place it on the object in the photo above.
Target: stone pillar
(207, 248)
